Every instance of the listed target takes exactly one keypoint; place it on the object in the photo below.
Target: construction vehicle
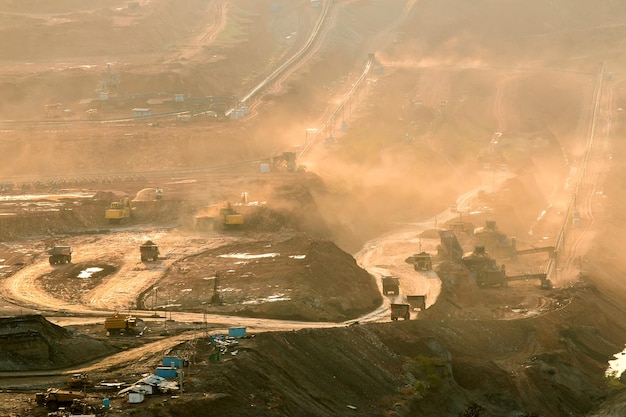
(421, 261)
(149, 251)
(119, 211)
(400, 311)
(158, 194)
(486, 273)
(391, 284)
(118, 325)
(60, 255)
(79, 381)
(417, 302)
(229, 217)
(286, 160)
(450, 249)
(54, 398)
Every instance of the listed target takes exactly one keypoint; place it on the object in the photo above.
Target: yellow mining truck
(121, 325)
(119, 211)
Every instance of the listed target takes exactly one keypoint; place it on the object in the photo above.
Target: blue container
(106, 402)
(237, 331)
(171, 361)
(166, 372)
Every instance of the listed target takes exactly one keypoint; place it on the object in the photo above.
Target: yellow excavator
(229, 217)
(119, 210)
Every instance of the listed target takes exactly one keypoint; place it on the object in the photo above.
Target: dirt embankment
(33, 343)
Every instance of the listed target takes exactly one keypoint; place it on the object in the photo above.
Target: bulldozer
(119, 211)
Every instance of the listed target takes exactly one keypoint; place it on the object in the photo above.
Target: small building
(136, 397)
(166, 372)
(315, 3)
(173, 362)
(237, 332)
(141, 112)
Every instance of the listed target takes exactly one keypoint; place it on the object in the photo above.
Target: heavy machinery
(60, 255)
(149, 251)
(391, 284)
(119, 211)
(551, 250)
(229, 217)
(417, 301)
(54, 398)
(119, 325)
(450, 249)
(400, 311)
(79, 381)
(421, 261)
(484, 270)
(286, 159)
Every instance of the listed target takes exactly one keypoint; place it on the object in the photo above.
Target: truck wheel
(52, 405)
(51, 260)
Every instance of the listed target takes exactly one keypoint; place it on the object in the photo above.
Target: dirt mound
(33, 343)
(284, 276)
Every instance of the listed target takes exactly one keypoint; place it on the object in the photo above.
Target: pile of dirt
(32, 342)
(282, 276)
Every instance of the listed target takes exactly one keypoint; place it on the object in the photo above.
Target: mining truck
(60, 255)
(400, 311)
(417, 301)
(54, 398)
(421, 261)
(391, 284)
(121, 325)
(119, 211)
(149, 251)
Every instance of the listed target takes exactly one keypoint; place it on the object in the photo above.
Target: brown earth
(422, 134)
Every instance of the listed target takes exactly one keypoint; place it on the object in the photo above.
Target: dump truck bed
(60, 250)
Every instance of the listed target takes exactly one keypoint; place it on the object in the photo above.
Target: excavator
(229, 217)
(119, 211)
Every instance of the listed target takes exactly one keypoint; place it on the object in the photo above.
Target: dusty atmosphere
(240, 175)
